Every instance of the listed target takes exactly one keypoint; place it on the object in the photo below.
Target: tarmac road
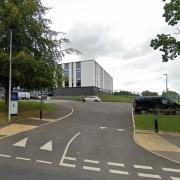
(94, 143)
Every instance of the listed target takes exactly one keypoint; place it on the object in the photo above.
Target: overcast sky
(117, 34)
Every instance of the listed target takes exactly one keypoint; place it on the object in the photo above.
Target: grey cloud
(138, 51)
(95, 41)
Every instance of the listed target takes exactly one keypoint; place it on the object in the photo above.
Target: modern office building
(85, 78)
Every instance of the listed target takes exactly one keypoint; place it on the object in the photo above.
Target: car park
(92, 99)
(145, 104)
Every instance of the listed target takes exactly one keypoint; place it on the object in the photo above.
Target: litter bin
(14, 103)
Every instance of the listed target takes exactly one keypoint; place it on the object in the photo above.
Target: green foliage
(167, 43)
(149, 93)
(123, 93)
(36, 48)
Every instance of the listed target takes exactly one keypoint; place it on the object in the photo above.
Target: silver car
(92, 99)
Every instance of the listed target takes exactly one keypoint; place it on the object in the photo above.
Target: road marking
(47, 146)
(4, 155)
(118, 172)
(91, 168)
(175, 178)
(142, 167)
(121, 130)
(70, 158)
(68, 165)
(149, 175)
(21, 143)
(115, 164)
(171, 170)
(102, 127)
(21, 158)
(45, 162)
(91, 161)
(66, 149)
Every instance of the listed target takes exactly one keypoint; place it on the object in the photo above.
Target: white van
(24, 95)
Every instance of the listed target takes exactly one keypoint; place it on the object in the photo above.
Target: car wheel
(177, 112)
(143, 111)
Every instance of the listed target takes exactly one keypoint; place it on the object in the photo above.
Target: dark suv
(145, 104)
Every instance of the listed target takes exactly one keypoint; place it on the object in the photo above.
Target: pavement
(164, 144)
(94, 143)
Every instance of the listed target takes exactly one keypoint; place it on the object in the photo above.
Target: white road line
(115, 164)
(91, 161)
(70, 158)
(66, 149)
(21, 143)
(102, 127)
(121, 130)
(118, 172)
(171, 170)
(149, 176)
(68, 165)
(142, 167)
(91, 168)
(24, 159)
(47, 146)
(45, 162)
(4, 155)
(175, 178)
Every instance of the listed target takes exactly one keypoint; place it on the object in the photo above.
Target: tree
(166, 43)
(36, 48)
(149, 93)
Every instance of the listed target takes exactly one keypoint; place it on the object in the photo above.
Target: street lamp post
(10, 72)
(166, 82)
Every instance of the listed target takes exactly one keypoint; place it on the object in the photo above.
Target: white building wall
(87, 73)
(92, 74)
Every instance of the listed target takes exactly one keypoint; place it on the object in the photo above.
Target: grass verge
(26, 109)
(104, 98)
(167, 123)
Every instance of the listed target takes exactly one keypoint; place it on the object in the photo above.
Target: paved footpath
(95, 142)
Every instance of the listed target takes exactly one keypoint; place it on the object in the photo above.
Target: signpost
(14, 103)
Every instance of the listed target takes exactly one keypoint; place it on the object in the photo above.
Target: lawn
(104, 98)
(169, 123)
(26, 109)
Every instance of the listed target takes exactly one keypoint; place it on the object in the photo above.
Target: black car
(145, 104)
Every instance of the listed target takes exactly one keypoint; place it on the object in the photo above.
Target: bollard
(156, 127)
(41, 114)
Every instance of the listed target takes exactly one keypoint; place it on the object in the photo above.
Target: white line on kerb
(175, 178)
(21, 158)
(91, 168)
(115, 164)
(149, 175)
(66, 149)
(142, 167)
(4, 155)
(118, 172)
(45, 162)
(91, 161)
(171, 170)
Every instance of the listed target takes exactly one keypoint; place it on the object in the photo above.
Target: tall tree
(36, 48)
(167, 43)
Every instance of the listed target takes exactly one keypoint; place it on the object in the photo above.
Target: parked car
(145, 104)
(24, 95)
(92, 99)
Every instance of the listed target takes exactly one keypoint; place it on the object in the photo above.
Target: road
(94, 143)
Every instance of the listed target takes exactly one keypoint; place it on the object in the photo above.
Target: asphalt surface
(94, 143)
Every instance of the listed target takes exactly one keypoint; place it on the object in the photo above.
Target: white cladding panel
(92, 74)
(87, 73)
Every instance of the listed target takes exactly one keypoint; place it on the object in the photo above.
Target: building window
(66, 74)
(78, 74)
